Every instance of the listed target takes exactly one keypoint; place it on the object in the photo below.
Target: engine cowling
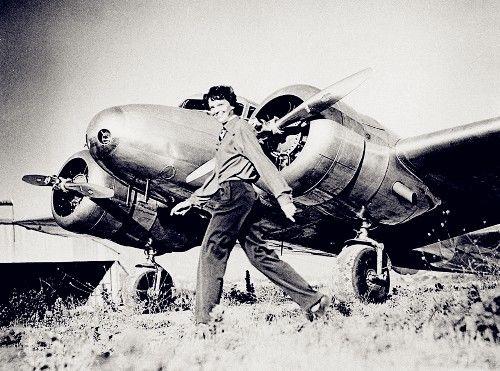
(80, 214)
(134, 223)
(323, 155)
(341, 153)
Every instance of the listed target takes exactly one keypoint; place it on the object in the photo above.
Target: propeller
(201, 171)
(89, 190)
(40, 180)
(83, 188)
(324, 99)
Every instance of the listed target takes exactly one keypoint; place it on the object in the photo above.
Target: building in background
(38, 266)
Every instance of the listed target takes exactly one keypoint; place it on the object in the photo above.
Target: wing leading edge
(43, 224)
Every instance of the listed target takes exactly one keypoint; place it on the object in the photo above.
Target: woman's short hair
(221, 92)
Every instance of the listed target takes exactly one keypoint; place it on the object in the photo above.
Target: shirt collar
(229, 120)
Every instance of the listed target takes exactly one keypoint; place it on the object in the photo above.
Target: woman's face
(220, 109)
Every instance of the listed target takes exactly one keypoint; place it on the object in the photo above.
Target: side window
(238, 110)
(251, 110)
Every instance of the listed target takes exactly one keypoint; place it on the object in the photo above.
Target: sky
(436, 65)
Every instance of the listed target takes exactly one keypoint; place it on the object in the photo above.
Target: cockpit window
(202, 105)
(195, 104)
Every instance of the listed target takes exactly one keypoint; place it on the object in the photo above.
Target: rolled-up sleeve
(268, 173)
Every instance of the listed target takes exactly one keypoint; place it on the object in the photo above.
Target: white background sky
(436, 63)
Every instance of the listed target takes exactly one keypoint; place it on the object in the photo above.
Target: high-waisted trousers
(235, 217)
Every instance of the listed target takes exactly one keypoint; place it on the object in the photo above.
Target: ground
(431, 320)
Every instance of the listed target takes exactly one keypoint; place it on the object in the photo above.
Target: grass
(430, 321)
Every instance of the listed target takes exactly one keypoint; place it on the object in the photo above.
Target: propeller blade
(90, 190)
(325, 98)
(201, 171)
(40, 180)
(85, 189)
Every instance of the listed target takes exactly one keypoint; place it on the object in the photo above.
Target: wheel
(139, 291)
(355, 275)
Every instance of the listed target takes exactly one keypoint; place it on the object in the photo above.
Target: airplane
(376, 201)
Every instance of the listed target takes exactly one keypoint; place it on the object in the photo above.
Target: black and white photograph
(249, 185)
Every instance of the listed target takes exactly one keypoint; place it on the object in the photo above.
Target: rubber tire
(135, 291)
(349, 277)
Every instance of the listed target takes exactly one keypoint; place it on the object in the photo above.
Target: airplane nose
(104, 131)
(140, 141)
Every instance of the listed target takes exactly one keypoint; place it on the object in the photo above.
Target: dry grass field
(431, 321)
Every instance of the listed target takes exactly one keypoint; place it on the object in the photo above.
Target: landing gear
(362, 271)
(149, 290)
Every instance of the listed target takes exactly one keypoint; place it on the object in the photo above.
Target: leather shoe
(318, 309)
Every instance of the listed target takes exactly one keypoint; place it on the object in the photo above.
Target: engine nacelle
(134, 223)
(335, 154)
(322, 154)
(80, 214)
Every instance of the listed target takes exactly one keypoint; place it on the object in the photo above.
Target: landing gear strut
(149, 290)
(362, 270)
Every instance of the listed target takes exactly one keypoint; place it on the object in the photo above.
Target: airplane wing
(48, 225)
(460, 165)
(478, 251)
(42, 224)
